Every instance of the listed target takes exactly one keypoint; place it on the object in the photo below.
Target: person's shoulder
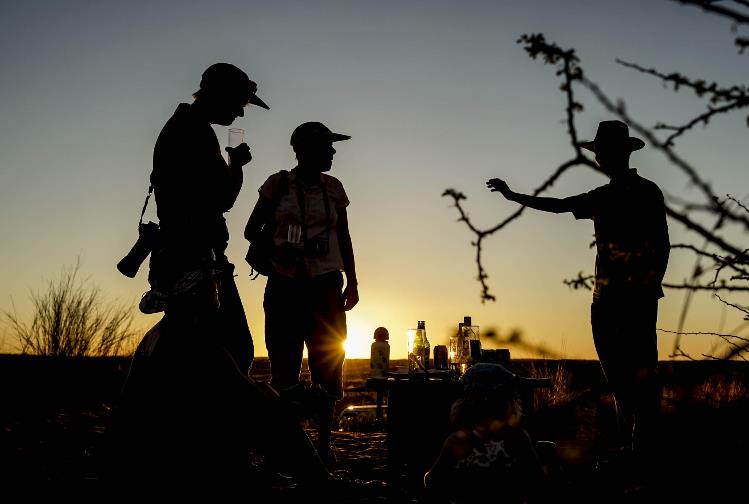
(181, 117)
(175, 126)
(273, 182)
(457, 444)
(331, 181)
(335, 190)
(274, 178)
(649, 186)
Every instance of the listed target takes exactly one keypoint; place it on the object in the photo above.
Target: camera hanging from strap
(148, 236)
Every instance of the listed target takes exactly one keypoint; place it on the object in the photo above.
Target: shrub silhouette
(71, 318)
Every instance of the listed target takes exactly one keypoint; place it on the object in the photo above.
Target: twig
(714, 288)
(699, 333)
(717, 9)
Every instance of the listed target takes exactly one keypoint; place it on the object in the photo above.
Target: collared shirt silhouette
(318, 226)
(632, 245)
(305, 300)
(632, 249)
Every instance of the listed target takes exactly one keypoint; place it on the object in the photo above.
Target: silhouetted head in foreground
(490, 400)
(313, 144)
(612, 147)
(224, 92)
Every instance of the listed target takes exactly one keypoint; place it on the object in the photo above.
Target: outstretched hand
(239, 155)
(500, 186)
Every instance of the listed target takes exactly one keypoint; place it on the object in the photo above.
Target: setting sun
(359, 338)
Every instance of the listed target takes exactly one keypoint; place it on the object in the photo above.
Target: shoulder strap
(282, 187)
(145, 204)
(326, 203)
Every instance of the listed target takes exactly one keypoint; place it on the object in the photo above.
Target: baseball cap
(223, 77)
(315, 131)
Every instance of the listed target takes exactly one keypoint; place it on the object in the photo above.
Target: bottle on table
(379, 358)
(472, 341)
(457, 351)
(418, 349)
(426, 348)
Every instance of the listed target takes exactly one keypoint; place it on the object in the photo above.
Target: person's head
(490, 398)
(613, 146)
(494, 410)
(313, 144)
(224, 92)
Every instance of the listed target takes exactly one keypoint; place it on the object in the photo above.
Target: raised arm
(555, 205)
(238, 158)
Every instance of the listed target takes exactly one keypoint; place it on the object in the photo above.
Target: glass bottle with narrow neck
(426, 347)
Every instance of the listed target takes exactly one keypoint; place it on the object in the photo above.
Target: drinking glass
(236, 137)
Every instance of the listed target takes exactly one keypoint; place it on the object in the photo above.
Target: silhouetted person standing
(305, 300)
(193, 187)
(632, 247)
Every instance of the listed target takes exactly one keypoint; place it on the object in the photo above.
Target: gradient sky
(435, 95)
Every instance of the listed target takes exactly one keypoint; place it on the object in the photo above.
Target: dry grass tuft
(72, 319)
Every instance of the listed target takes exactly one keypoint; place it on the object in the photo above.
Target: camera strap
(303, 208)
(145, 204)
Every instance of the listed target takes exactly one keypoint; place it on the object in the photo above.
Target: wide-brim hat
(612, 133)
(312, 132)
(225, 77)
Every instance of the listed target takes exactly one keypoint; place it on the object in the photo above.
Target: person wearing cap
(305, 300)
(632, 250)
(489, 454)
(193, 188)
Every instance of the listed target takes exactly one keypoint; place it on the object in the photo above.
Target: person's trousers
(306, 311)
(624, 333)
(231, 321)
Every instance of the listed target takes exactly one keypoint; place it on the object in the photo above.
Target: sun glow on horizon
(359, 338)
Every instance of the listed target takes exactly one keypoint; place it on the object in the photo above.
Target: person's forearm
(346, 247)
(349, 265)
(260, 215)
(236, 177)
(554, 205)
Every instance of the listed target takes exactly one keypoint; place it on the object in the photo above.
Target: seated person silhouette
(489, 453)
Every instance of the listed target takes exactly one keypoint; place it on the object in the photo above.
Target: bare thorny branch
(723, 100)
(571, 72)
(737, 17)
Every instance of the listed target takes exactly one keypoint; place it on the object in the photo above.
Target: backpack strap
(281, 188)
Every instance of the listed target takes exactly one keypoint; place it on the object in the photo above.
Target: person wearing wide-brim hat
(311, 252)
(632, 247)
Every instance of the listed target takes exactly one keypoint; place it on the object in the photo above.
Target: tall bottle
(379, 358)
(455, 350)
(426, 348)
(415, 351)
